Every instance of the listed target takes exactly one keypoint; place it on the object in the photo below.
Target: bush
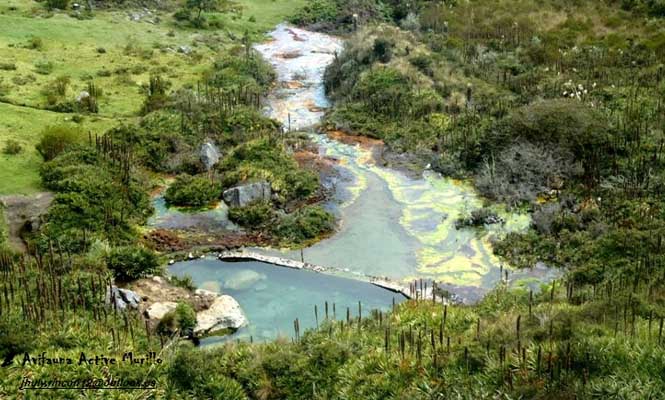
(234, 71)
(44, 67)
(35, 43)
(315, 11)
(569, 124)
(59, 4)
(57, 139)
(12, 147)
(17, 336)
(252, 215)
(479, 217)
(192, 372)
(156, 96)
(383, 49)
(192, 191)
(131, 262)
(305, 224)
(523, 171)
(182, 319)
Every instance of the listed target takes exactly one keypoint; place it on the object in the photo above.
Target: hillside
(552, 109)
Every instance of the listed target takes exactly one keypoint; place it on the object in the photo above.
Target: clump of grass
(35, 43)
(7, 66)
(185, 282)
(44, 67)
(22, 80)
(12, 147)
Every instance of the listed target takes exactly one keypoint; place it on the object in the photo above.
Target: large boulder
(158, 310)
(224, 313)
(209, 155)
(240, 196)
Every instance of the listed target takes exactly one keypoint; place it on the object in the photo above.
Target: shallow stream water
(273, 297)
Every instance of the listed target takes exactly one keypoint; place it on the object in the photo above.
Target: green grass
(72, 46)
(19, 173)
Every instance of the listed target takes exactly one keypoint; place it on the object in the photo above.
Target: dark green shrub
(569, 124)
(235, 71)
(156, 95)
(192, 191)
(252, 215)
(305, 224)
(56, 139)
(182, 14)
(315, 11)
(17, 336)
(182, 319)
(383, 49)
(132, 262)
(59, 4)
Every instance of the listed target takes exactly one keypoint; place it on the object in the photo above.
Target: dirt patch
(23, 213)
(158, 289)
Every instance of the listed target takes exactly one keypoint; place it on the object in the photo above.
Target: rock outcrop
(224, 313)
(242, 195)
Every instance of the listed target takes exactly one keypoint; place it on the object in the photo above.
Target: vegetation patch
(192, 191)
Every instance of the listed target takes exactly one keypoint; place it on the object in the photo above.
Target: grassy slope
(71, 45)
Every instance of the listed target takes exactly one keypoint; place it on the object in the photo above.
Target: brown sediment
(293, 84)
(309, 159)
(172, 241)
(289, 54)
(363, 141)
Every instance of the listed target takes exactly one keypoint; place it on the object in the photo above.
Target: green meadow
(111, 51)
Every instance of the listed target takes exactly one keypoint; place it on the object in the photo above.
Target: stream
(391, 225)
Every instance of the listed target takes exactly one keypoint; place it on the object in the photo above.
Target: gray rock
(209, 155)
(122, 298)
(184, 49)
(83, 95)
(130, 298)
(224, 313)
(240, 196)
